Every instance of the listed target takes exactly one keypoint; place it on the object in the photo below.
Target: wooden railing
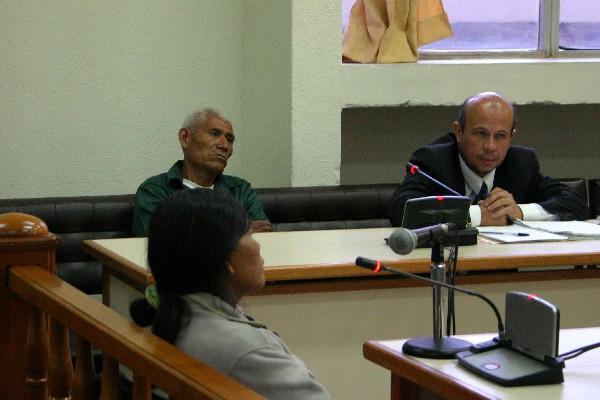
(37, 309)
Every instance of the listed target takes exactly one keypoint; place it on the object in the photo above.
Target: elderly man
(478, 160)
(207, 142)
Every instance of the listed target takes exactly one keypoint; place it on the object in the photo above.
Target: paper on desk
(572, 229)
(508, 234)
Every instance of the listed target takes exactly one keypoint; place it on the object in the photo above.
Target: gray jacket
(224, 338)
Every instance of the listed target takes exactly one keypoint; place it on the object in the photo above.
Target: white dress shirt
(531, 211)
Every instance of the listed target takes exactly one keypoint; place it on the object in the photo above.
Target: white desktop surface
(581, 374)
(332, 253)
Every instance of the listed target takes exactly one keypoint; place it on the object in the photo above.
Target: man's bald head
(484, 131)
(479, 97)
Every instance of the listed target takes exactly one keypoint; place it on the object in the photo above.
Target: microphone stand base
(509, 367)
(429, 347)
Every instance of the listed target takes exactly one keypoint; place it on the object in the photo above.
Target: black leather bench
(594, 197)
(76, 219)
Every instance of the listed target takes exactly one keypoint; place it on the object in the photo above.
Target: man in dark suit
(477, 160)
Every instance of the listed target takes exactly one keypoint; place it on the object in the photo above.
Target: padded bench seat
(76, 219)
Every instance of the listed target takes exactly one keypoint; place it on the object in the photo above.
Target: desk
(418, 378)
(321, 255)
(325, 308)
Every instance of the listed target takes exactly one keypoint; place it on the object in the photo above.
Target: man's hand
(261, 226)
(499, 208)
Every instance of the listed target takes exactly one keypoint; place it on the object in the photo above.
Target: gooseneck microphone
(377, 266)
(437, 348)
(403, 240)
(458, 211)
(414, 169)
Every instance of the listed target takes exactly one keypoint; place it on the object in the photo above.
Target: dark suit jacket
(518, 174)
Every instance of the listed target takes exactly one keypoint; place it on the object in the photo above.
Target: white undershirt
(531, 211)
(194, 185)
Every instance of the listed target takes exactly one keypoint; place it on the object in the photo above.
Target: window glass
(346, 6)
(579, 26)
(490, 25)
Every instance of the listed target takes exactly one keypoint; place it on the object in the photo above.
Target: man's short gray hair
(197, 119)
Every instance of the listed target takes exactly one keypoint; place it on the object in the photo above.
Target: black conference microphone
(466, 234)
(414, 169)
(403, 240)
(432, 347)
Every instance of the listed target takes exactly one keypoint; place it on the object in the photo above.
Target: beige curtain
(390, 31)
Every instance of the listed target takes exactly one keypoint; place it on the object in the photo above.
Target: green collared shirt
(159, 187)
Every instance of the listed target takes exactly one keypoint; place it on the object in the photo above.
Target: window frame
(548, 42)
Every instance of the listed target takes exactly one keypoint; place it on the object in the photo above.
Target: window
(543, 28)
(579, 27)
(490, 25)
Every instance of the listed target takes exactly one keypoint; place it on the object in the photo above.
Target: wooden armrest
(150, 357)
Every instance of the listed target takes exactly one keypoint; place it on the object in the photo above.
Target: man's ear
(513, 134)
(230, 268)
(184, 137)
(457, 131)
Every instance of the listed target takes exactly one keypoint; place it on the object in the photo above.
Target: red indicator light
(414, 169)
(439, 198)
(377, 266)
(531, 297)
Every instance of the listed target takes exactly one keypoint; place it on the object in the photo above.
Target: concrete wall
(316, 67)
(266, 92)
(94, 93)
(377, 142)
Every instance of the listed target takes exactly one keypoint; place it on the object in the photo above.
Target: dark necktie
(482, 193)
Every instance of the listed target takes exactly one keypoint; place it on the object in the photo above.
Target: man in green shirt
(207, 143)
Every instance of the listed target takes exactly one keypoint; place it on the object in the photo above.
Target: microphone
(458, 212)
(414, 169)
(377, 266)
(403, 240)
(432, 347)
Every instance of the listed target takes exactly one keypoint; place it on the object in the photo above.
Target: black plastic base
(466, 237)
(510, 368)
(428, 347)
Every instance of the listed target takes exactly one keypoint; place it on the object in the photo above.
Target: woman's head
(199, 240)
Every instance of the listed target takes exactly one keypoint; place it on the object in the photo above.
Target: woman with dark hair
(204, 260)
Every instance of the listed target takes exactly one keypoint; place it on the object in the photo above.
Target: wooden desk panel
(445, 378)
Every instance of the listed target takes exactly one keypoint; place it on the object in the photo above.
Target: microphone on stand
(457, 209)
(434, 346)
(403, 240)
(414, 169)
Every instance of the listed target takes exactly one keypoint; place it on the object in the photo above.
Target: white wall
(316, 107)
(94, 92)
(266, 92)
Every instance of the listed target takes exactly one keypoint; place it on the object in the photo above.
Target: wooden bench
(36, 311)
